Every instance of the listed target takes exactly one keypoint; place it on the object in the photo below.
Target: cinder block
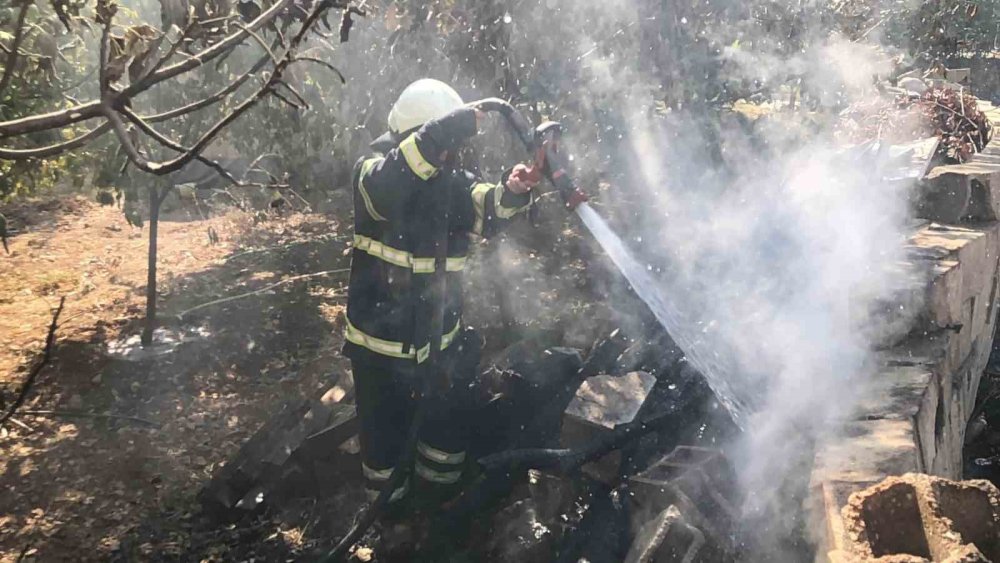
(341, 424)
(917, 517)
(968, 192)
(667, 537)
(699, 481)
(277, 460)
(601, 403)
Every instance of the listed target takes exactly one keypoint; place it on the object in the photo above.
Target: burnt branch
(15, 46)
(50, 340)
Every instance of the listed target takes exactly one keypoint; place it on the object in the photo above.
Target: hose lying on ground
(566, 460)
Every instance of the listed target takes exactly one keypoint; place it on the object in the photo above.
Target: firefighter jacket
(398, 201)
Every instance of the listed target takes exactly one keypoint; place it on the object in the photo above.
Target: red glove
(576, 197)
(523, 178)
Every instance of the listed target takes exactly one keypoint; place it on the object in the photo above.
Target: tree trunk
(154, 222)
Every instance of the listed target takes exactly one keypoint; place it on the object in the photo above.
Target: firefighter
(397, 200)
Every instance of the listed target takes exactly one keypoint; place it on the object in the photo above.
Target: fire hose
(543, 146)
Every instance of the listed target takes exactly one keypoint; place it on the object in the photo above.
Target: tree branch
(131, 151)
(51, 120)
(56, 149)
(169, 143)
(195, 106)
(88, 110)
(283, 99)
(8, 71)
(33, 374)
(260, 41)
(208, 54)
(184, 158)
(173, 48)
(102, 66)
(113, 102)
(59, 148)
(166, 167)
(326, 64)
(295, 93)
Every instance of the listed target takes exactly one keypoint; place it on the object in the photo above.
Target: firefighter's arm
(496, 204)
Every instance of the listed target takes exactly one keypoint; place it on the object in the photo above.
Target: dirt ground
(109, 466)
(88, 484)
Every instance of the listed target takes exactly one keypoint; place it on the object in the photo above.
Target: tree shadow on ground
(77, 485)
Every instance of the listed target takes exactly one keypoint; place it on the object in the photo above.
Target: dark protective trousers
(386, 401)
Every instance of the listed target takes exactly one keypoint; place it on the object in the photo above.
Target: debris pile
(294, 453)
(898, 117)
(600, 459)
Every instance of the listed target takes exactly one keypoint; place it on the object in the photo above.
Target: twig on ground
(84, 414)
(24, 552)
(182, 314)
(302, 199)
(320, 238)
(23, 426)
(46, 355)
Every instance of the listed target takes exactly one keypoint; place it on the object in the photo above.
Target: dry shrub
(950, 114)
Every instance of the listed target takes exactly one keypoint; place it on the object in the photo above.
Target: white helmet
(424, 100)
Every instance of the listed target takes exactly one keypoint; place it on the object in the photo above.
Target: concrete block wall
(914, 417)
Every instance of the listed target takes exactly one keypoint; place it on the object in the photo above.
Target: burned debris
(610, 458)
(292, 454)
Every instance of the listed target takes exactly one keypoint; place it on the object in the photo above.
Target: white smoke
(780, 257)
(776, 250)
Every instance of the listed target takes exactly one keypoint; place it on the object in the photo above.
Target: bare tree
(138, 59)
